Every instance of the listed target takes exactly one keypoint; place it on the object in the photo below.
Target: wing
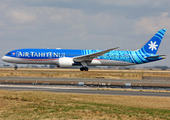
(90, 57)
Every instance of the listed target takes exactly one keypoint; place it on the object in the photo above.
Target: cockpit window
(8, 54)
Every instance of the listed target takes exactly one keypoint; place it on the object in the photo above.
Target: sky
(83, 24)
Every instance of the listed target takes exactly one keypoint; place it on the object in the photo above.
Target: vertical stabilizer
(151, 47)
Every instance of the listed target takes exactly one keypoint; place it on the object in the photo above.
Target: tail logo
(153, 46)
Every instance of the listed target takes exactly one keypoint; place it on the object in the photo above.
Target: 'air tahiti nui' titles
(40, 54)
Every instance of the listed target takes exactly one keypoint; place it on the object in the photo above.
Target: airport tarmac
(87, 82)
(80, 90)
(84, 79)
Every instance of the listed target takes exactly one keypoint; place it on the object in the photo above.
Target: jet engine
(65, 62)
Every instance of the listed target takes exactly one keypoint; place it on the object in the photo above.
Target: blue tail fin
(151, 47)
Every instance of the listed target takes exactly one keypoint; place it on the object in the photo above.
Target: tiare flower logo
(153, 46)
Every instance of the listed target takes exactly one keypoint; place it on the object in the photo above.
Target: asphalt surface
(86, 80)
(81, 90)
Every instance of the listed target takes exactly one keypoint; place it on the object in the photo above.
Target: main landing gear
(84, 69)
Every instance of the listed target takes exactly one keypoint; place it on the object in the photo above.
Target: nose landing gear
(16, 67)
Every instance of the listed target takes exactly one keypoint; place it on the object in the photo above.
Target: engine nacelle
(65, 62)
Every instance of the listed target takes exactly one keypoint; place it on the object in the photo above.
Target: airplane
(65, 58)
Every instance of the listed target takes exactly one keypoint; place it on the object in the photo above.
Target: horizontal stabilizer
(155, 56)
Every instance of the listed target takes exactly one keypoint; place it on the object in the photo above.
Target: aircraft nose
(4, 58)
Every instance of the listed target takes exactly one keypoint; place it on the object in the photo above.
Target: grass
(44, 105)
(75, 73)
(128, 89)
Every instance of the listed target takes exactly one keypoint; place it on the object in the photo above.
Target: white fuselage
(94, 62)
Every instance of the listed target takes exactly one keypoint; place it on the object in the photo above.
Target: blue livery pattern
(137, 57)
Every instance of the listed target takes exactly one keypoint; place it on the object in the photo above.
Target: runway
(84, 79)
(146, 83)
(81, 90)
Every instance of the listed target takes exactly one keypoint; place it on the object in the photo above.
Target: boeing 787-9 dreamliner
(71, 57)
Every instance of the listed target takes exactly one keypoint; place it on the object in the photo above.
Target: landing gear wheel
(84, 69)
(15, 68)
